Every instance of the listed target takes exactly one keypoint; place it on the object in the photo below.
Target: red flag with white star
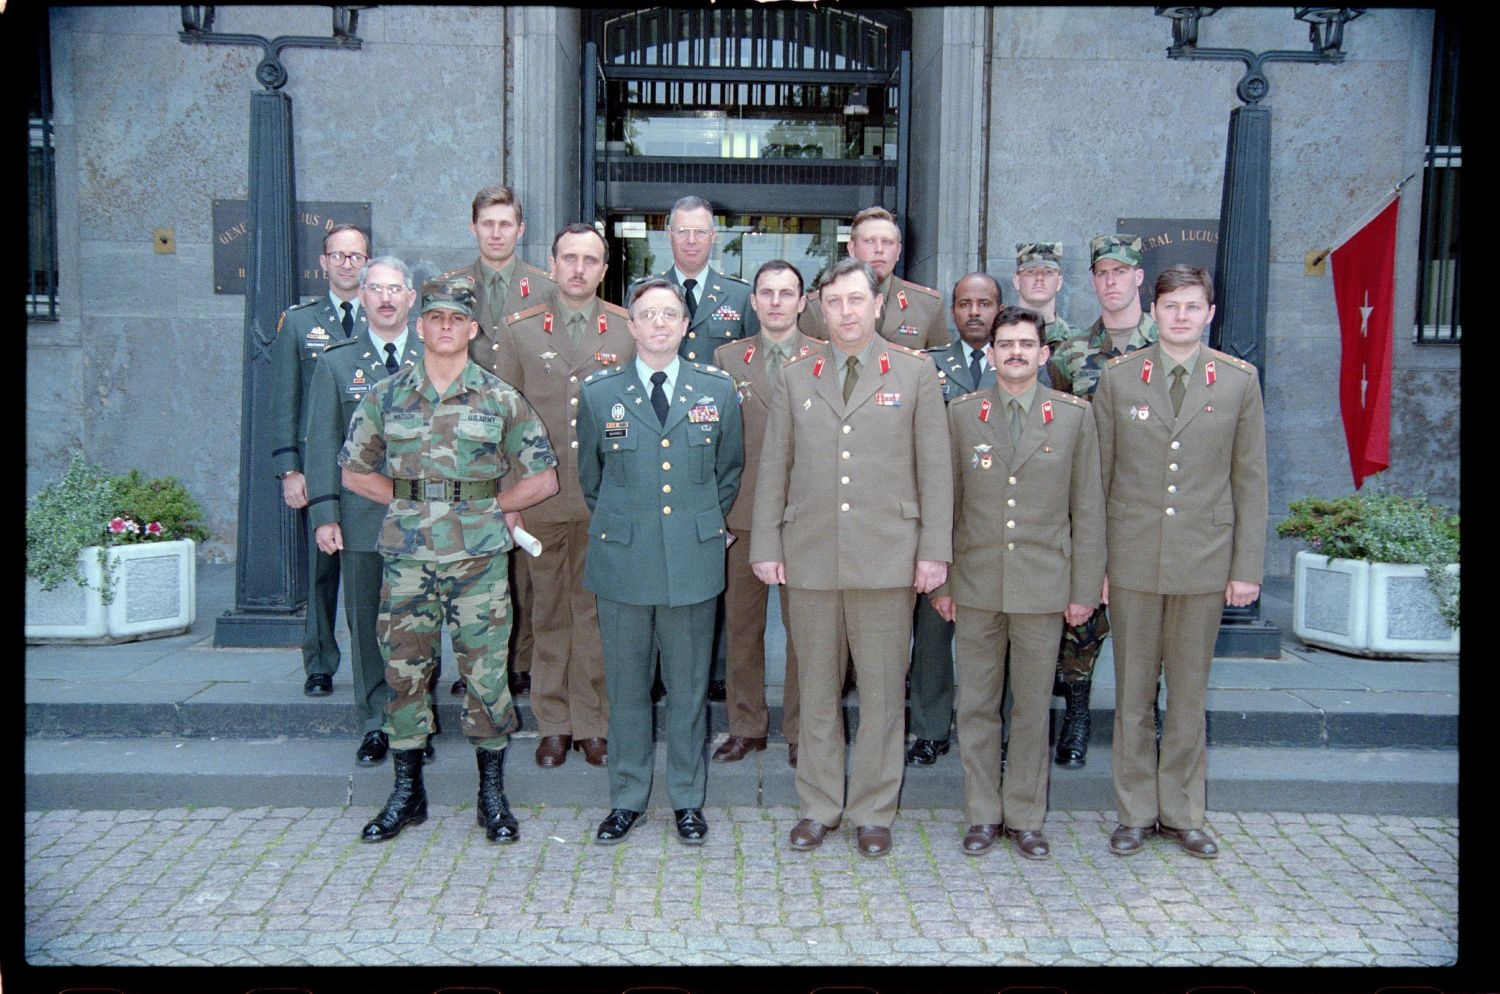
(1364, 288)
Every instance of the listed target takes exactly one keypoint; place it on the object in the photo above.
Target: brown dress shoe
(1032, 845)
(595, 751)
(1127, 841)
(808, 834)
(553, 750)
(872, 840)
(737, 747)
(791, 755)
(979, 839)
(1194, 841)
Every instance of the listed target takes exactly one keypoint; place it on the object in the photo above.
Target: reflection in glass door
(638, 246)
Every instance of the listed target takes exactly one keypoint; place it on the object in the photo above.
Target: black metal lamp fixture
(1325, 31)
(198, 28)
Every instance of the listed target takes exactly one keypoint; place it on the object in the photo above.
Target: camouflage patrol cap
(1029, 255)
(454, 293)
(1121, 248)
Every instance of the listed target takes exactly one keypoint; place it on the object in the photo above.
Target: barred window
(41, 185)
(1438, 318)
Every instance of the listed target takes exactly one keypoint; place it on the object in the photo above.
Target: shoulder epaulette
(529, 312)
(1059, 395)
(464, 270)
(1234, 361)
(613, 309)
(345, 342)
(900, 349)
(304, 304)
(603, 374)
(1127, 357)
(707, 367)
(735, 279)
(798, 358)
(971, 395)
(909, 285)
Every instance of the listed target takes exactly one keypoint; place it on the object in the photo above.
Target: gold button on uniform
(1011, 481)
(843, 455)
(572, 379)
(1010, 546)
(667, 509)
(666, 443)
(1011, 502)
(1172, 489)
(1171, 511)
(847, 429)
(1011, 523)
(666, 465)
(1176, 444)
(1172, 466)
(574, 443)
(666, 488)
(844, 507)
(844, 480)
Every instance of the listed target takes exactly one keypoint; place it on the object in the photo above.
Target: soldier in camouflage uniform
(432, 443)
(1038, 280)
(1115, 264)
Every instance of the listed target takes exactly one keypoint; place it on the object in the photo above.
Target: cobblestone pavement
(294, 886)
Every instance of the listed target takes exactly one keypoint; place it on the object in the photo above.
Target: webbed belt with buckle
(448, 490)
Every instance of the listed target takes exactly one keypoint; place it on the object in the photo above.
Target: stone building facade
(1025, 123)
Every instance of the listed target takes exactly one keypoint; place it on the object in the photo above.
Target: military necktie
(390, 358)
(1015, 424)
(851, 376)
(348, 319)
(659, 396)
(692, 302)
(575, 328)
(974, 367)
(774, 358)
(1177, 390)
(495, 304)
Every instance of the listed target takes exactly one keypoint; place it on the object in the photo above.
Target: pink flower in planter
(119, 525)
(154, 529)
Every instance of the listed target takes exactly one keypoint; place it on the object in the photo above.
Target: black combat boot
(407, 804)
(494, 810)
(1073, 740)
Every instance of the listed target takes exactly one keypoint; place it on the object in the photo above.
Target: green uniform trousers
(361, 573)
(930, 693)
(320, 651)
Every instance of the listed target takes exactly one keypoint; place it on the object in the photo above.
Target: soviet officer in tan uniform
(1182, 454)
(1028, 551)
(432, 442)
(546, 352)
(911, 314)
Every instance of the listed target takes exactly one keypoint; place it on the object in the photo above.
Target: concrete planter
(155, 594)
(1371, 609)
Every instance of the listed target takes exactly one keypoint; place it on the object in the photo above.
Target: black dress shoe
(924, 752)
(373, 749)
(691, 828)
(458, 688)
(428, 752)
(617, 824)
(318, 685)
(717, 691)
(520, 684)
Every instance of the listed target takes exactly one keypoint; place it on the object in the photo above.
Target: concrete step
(163, 772)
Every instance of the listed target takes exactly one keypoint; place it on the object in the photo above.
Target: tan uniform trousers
(1155, 634)
(1018, 801)
(567, 669)
(875, 627)
(745, 667)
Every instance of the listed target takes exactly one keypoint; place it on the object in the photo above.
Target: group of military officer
(900, 485)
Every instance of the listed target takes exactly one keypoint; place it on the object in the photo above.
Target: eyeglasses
(338, 258)
(693, 234)
(650, 314)
(386, 289)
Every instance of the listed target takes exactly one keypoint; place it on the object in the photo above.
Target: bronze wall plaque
(314, 219)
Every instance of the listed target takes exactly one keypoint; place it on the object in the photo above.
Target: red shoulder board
(1046, 412)
(526, 289)
(901, 298)
(984, 410)
(818, 366)
(749, 352)
(885, 363)
(1208, 373)
(1145, 370)
(603, 324)
(547, 322)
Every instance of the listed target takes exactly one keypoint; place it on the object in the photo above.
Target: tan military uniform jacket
(536, 355)
(851, 496)
(912, 316)
(745, 360)
(1186, 496)
(528, 286)
(1012, 551)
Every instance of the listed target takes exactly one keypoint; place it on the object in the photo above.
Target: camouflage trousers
(1081, 645)
(473, 597)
